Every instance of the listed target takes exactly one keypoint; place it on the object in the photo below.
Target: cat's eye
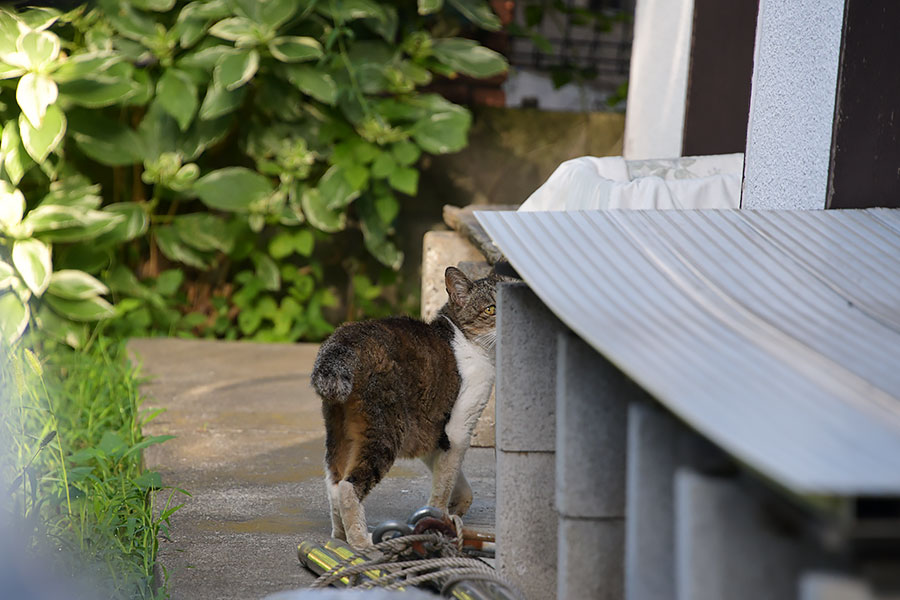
(490, 310)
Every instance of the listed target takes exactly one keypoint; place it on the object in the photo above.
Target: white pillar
(658, 78)
(798, 44)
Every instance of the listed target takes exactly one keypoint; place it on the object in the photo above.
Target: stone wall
(512, 151)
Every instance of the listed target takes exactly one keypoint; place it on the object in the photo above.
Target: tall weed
(74, 487)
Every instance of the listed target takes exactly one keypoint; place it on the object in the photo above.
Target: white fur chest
(476, 370)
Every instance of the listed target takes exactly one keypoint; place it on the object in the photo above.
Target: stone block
(657, 446)
(527, 522)
(475, 269)
(591, 420)
(526, 371)
(591, 564)
(650, 546)
(726, 547)
(441, 249)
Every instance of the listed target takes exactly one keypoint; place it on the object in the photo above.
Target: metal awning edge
(497, 225)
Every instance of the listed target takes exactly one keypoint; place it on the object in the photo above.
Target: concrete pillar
(652, 461)
(591, 413)
(792, 104)
(526, 431)
(726, 547)
(658, 445)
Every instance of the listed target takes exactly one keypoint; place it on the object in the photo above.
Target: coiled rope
(446, 566)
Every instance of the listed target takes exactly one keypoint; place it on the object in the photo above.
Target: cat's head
(472, 305)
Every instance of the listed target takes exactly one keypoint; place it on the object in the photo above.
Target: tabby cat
(402, 388)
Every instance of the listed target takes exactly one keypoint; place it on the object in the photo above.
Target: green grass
(77, 490)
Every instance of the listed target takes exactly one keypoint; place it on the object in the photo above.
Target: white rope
(446, 567)
(458, 527)
(436, 576)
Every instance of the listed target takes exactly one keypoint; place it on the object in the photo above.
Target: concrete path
(249, 449)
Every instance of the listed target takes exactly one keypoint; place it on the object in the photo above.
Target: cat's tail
(332, 375)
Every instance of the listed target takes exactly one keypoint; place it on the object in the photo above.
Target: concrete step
(249, 448)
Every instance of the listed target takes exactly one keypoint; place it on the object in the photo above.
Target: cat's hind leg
(334, 503)
(337, 453)
(373, 460)
(353, 516)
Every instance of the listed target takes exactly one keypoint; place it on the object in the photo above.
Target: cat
(402, 388)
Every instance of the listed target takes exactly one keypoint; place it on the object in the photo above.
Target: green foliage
(28, 283)
(78, 496)
(211, 165)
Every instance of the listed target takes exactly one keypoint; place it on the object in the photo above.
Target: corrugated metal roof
(776, 334)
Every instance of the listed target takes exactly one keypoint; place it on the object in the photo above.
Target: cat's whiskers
(486, 340)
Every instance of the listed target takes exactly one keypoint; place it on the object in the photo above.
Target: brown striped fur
(388, 388)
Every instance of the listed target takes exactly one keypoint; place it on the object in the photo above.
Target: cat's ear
(458, 285)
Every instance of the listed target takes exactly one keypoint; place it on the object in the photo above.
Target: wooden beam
(719, 75)
(865, 152)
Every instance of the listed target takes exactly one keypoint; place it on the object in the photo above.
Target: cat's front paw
(461, 498)
(459, 506)
(360, 541)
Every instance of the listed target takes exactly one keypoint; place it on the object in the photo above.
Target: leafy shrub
(73, 484)
(247, 143)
